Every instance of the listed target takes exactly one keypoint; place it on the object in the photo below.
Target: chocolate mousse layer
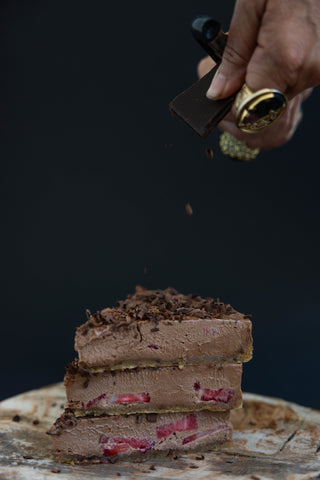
(163, 389)
(163, 328)
(103, 438)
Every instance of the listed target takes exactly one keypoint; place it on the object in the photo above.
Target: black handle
(210, 36)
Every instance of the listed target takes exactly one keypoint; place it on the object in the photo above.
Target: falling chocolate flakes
(188, 209)
(209, 153)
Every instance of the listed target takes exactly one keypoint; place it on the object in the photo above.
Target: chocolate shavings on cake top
(157, 305)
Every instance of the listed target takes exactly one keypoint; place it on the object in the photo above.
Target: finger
(242, 40)
(284, 44)
(204, 66)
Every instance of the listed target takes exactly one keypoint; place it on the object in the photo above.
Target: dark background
(95, 175)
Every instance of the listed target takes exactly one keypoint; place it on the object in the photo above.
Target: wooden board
(273, 439)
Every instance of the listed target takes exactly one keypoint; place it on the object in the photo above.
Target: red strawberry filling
(95, 400)
(142, 397)
(187, 423)
(196, 436)
(118, 445)
(222, 395)
(133, 398)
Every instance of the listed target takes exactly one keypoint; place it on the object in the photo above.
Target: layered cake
(159, 371)
(155, 328)
(147, 390)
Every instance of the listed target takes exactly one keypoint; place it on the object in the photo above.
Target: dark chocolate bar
(196, 110)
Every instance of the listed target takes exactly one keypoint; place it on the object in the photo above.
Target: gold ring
(257, 110)
(237, 149)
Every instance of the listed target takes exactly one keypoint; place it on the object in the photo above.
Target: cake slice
(155, 328)
(163, 389)
(98, 439)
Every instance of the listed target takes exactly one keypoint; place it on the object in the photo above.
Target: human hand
(274, 136)
(272, 44)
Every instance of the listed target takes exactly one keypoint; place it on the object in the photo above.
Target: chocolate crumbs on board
(16, 418)
(28, 457)
(200, 457)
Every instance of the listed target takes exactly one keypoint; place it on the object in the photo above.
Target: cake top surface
(158, 305)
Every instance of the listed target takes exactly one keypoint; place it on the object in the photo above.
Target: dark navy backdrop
(95, 174)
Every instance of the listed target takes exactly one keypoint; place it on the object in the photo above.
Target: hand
(272, 44)
(274, 136)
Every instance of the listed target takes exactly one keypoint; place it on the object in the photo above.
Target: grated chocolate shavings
(67, 420)
(156, 306)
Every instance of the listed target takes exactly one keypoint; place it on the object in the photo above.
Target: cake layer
(103, 437)
(164, 389)
(163, 328)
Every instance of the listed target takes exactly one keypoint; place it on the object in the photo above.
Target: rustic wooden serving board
(273, 439)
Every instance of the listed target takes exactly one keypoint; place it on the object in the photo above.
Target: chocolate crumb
(54, 404)
(209, 153)
(175, 457)
(152, 467)
(35, 422)
(200, 457)
(118, 474)
(62, 405)
(188, 209)
(151, 417)
(86, 383)
(155, 329)
(85, 330)
(16, 418)
(255, 477)
(55, 470)
(28, 457)
(193, 466)
(113, 459)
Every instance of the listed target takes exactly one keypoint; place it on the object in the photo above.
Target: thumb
(242, 40)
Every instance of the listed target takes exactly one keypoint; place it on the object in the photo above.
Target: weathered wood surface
(272, 439)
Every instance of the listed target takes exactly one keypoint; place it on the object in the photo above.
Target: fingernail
(217, 86)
